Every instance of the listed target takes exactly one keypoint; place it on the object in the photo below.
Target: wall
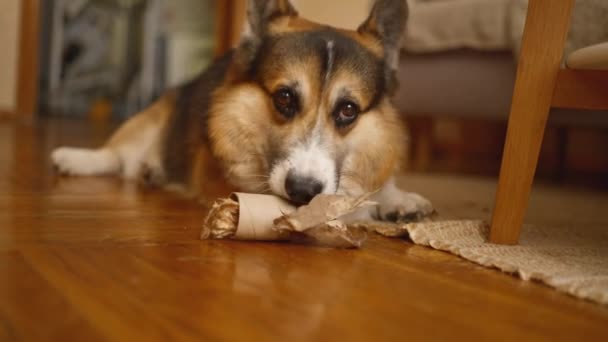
(9, 38)
(347, 14)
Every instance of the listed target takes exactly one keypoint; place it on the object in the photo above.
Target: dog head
(305, 108)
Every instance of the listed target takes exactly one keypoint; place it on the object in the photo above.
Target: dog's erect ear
(387, 23)
(260, 13)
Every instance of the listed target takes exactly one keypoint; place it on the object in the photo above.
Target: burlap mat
(570, 259)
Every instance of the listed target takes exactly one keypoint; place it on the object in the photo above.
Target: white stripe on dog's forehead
(331, 57)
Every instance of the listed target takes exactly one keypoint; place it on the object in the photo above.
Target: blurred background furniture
(110, 58)
(457, 85)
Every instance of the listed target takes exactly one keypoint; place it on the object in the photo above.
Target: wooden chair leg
(541, 54)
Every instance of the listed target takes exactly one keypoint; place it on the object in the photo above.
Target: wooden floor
(96, 259)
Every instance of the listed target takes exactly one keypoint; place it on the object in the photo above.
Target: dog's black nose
(302, 189)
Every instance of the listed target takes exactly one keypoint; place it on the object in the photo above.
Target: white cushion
(593, 57)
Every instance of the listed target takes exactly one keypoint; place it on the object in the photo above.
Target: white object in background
(187, 55)
(593, 57)
(189, 27)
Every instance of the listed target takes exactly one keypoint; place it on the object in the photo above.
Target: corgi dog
(297, 109)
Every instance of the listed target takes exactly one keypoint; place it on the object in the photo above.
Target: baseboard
(6, 113)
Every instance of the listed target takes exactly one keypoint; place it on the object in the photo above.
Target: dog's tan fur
(133, 132)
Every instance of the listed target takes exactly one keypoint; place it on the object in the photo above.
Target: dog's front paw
(404, 207)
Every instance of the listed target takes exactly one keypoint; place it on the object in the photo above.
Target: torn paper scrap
(328, 235)
(387, 229)
(322, 209)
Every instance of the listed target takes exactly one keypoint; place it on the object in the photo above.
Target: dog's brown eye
(286, 102)
(346, 113)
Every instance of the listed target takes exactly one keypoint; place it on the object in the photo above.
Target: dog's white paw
(402, 206)
(84, 162)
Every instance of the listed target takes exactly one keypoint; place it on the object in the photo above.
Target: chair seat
(593, 57)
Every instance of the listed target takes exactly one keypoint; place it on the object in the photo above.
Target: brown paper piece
(395, 229)
(387, 229)
(332, 234)
(322, 209)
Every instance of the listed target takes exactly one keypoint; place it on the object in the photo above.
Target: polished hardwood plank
(97, 259)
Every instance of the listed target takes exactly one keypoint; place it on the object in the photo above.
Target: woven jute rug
(570, 259)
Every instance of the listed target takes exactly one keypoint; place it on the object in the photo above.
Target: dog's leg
(131, 151)
(394, 205)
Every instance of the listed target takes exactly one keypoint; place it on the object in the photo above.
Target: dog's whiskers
(259, 187)
(259, 176)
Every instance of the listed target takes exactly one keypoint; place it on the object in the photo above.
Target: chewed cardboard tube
(257, 214)
(265, 217)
